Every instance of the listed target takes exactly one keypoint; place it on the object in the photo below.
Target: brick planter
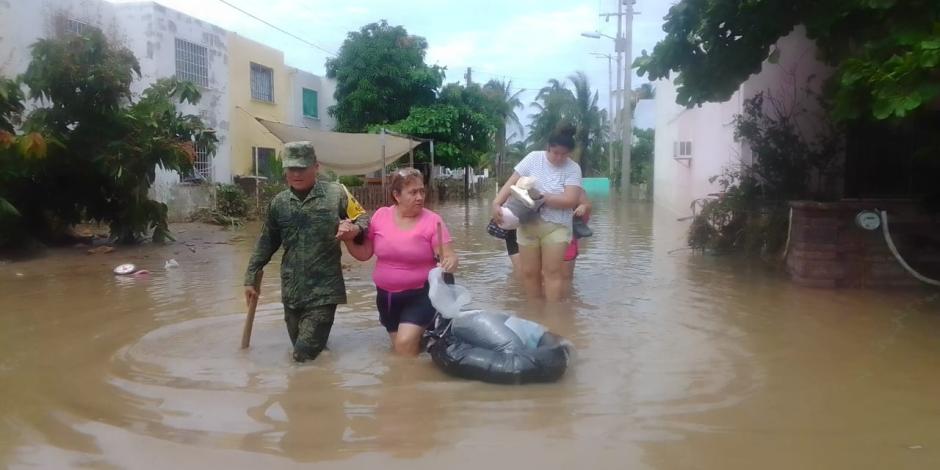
(827, 248)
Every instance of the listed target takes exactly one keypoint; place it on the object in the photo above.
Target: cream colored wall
(246, 132)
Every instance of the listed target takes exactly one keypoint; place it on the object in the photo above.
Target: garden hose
(897, 256)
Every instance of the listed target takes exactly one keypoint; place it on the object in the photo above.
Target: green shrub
(351, 181)
(231, 201)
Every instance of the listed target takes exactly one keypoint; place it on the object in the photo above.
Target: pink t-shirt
(404, 257)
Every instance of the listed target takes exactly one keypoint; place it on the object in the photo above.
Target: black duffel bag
(480, 346)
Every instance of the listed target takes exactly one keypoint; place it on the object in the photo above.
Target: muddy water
(682, 361)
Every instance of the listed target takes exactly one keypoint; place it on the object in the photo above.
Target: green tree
(106, 146)
(886, 52)
(585, 114)
(555, 104)
(503, 103)
(380, 75)
(461, 123)
(552, 105)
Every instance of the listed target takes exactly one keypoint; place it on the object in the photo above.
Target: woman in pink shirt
(403, 237)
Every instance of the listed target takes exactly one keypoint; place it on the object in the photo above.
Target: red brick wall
(827, 249)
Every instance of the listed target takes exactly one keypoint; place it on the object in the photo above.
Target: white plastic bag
(447, 299)
(528, 331)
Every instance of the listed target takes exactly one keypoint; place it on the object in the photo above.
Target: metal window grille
(262, 83)
(192, 63)
(77, 28)
(202, 167)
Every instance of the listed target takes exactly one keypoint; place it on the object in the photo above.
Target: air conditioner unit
(682, 150)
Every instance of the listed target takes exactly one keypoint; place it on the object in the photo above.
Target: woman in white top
(542, 243)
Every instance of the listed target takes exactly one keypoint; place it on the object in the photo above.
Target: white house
(692, 145)
(169, 43)
(310, 99)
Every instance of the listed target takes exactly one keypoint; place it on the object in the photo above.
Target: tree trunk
(466, 183)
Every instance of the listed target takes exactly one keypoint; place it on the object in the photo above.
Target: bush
(231, 201)
(751, 214)
(90, 149)
(351, 181)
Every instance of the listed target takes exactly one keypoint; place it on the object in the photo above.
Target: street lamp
(623, 46)
(617, 112)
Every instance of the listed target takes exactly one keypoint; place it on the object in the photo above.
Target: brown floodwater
(682, 361)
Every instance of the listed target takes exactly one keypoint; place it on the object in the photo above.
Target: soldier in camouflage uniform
(309, 220)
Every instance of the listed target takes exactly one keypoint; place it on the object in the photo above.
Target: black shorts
(410, 306)
(512, 246)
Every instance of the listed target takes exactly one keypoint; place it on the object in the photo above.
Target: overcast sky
(526, 41)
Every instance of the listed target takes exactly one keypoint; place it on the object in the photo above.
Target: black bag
(495, 230)
(581, 229)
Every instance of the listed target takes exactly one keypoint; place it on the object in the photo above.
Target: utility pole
(624, 47)
(469, 76)
(619, 111)
(612, 129)
(627, 119)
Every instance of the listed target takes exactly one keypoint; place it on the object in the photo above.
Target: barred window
(203, 164)
(262, 83)
(78, 28)
(192, 63)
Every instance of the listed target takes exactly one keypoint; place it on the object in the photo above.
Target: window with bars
(192, 63)
(78, 28)
(202, 167)
(203, 164)
(311, 104)
(262, 83)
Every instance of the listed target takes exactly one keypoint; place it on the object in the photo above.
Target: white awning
(344, 153)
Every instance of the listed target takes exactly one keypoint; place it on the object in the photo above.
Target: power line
(279, 29)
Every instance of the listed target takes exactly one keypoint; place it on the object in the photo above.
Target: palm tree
(584, 114)
(552, 106)
(645, 91)
(556, 103)
(504, 103)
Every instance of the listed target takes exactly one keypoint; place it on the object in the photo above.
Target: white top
(551, 179)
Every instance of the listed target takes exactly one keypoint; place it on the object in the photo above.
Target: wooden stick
(250, 319)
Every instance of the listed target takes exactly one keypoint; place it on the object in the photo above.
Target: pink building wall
(710, 128)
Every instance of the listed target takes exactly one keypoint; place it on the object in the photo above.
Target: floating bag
(489, 346)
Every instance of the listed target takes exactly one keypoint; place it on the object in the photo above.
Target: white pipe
(894, 251)
(786, 246)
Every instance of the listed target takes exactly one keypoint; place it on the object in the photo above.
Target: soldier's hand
(347, 230)
(251, 294)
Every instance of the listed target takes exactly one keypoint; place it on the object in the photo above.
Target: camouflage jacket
(311, 271)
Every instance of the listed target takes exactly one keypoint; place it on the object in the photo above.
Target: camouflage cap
(299, 154)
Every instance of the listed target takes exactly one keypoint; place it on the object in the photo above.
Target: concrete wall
(678, 182)
(152, 31)
(23, 22)
(300, 79)
(245, 131)
(149, 31)
(710, 127)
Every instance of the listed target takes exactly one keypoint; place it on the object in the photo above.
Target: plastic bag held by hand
(447, 299)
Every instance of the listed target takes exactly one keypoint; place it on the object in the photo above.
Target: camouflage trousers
(309, 328)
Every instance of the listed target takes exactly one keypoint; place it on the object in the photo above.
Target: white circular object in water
(125, 269)
(510, 221)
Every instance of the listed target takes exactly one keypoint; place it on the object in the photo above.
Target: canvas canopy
(345, 153)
